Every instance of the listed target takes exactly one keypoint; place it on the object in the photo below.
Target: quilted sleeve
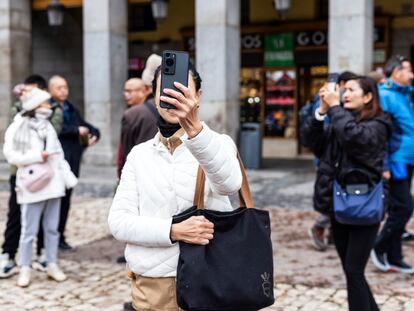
(125, 222)
(217, 155)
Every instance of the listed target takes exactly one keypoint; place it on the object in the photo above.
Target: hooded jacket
(396, 101)
(344, 145)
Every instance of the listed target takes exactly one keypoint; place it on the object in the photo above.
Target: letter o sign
(318, 38)
(303, 39)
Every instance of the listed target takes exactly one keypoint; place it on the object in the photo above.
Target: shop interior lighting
(282, 7)
(55, 12)
(159, 10)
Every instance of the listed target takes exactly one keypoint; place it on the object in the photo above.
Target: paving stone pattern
(305, 279)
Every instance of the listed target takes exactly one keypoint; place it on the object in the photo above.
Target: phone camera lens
(169, 62)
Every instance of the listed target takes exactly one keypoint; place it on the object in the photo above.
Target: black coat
(69, 136)
(342, 146)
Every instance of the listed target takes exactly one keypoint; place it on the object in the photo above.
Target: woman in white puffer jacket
(158, 181)
(31, 141)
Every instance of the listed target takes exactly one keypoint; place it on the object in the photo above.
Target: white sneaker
(24, 277)
(54, 272)
(40, 264)
(8, 266)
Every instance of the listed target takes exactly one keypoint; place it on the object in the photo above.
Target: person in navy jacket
(395, 95)
(75, 137)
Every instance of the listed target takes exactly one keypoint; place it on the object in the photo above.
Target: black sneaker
(401, 266)
(65, 246)
(407, 237)
(8, 266)
(380, 260)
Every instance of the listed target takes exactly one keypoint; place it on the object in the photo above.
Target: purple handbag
(36, 176)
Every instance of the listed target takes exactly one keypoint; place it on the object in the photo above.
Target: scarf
(167, 129)
(21, 140)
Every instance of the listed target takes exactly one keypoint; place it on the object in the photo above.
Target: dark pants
(354, 244)
(64, 212)
(73, 154)
(13, 226)
(400, 209)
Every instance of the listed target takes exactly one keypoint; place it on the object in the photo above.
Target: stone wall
(59, 50)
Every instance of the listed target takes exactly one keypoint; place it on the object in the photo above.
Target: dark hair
(346, 76)
(373, 108)
(191, 68)
(393, 63)
(29, 113)
(36, 79)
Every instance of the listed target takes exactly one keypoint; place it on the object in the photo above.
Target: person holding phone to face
(158, 181)
(355, 140)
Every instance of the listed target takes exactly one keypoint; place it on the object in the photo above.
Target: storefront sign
(311, 38)
(320, 37)
(279, 50)
(250, 41)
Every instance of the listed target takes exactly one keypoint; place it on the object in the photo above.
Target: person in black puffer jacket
(356, 139)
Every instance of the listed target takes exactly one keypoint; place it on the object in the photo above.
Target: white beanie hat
(34, 98)
(153, 61)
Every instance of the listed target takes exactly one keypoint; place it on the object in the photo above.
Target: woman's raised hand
(330, 97)
(194, 230)
(187, 108)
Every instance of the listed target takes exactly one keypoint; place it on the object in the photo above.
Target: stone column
(351, 28)
(218, 61)
(15, 45)
(105, 58)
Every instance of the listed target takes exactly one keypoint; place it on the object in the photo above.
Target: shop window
(280, 103)
(250, 95)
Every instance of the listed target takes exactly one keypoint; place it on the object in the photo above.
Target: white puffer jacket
(62, 175)
(155, 185)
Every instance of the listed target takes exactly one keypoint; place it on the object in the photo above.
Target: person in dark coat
(355, 139)
(76, 135)
(139, 122)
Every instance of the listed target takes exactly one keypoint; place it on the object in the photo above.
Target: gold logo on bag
(266, 284)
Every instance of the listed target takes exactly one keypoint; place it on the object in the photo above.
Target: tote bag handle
(245, 195)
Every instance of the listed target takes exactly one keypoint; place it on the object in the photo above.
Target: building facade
(257, 66)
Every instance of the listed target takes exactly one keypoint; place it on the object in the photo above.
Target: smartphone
(174, 68)
(332, 80)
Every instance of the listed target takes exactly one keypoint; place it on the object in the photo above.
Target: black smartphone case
(180, 74)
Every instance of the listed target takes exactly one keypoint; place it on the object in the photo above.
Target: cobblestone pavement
(305, 279)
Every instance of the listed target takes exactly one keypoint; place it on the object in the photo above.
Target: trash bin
(251, 145)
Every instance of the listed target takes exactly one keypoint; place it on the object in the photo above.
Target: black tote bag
(235, 270)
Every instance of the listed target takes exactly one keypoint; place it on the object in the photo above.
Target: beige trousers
(153, 294)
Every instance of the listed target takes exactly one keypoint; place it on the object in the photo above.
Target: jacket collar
(394, 86)
(157, 143)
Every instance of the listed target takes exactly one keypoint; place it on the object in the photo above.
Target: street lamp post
(55, 13)
(159, 10)
(282, 7)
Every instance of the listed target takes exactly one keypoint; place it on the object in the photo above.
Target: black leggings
(354, 244)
